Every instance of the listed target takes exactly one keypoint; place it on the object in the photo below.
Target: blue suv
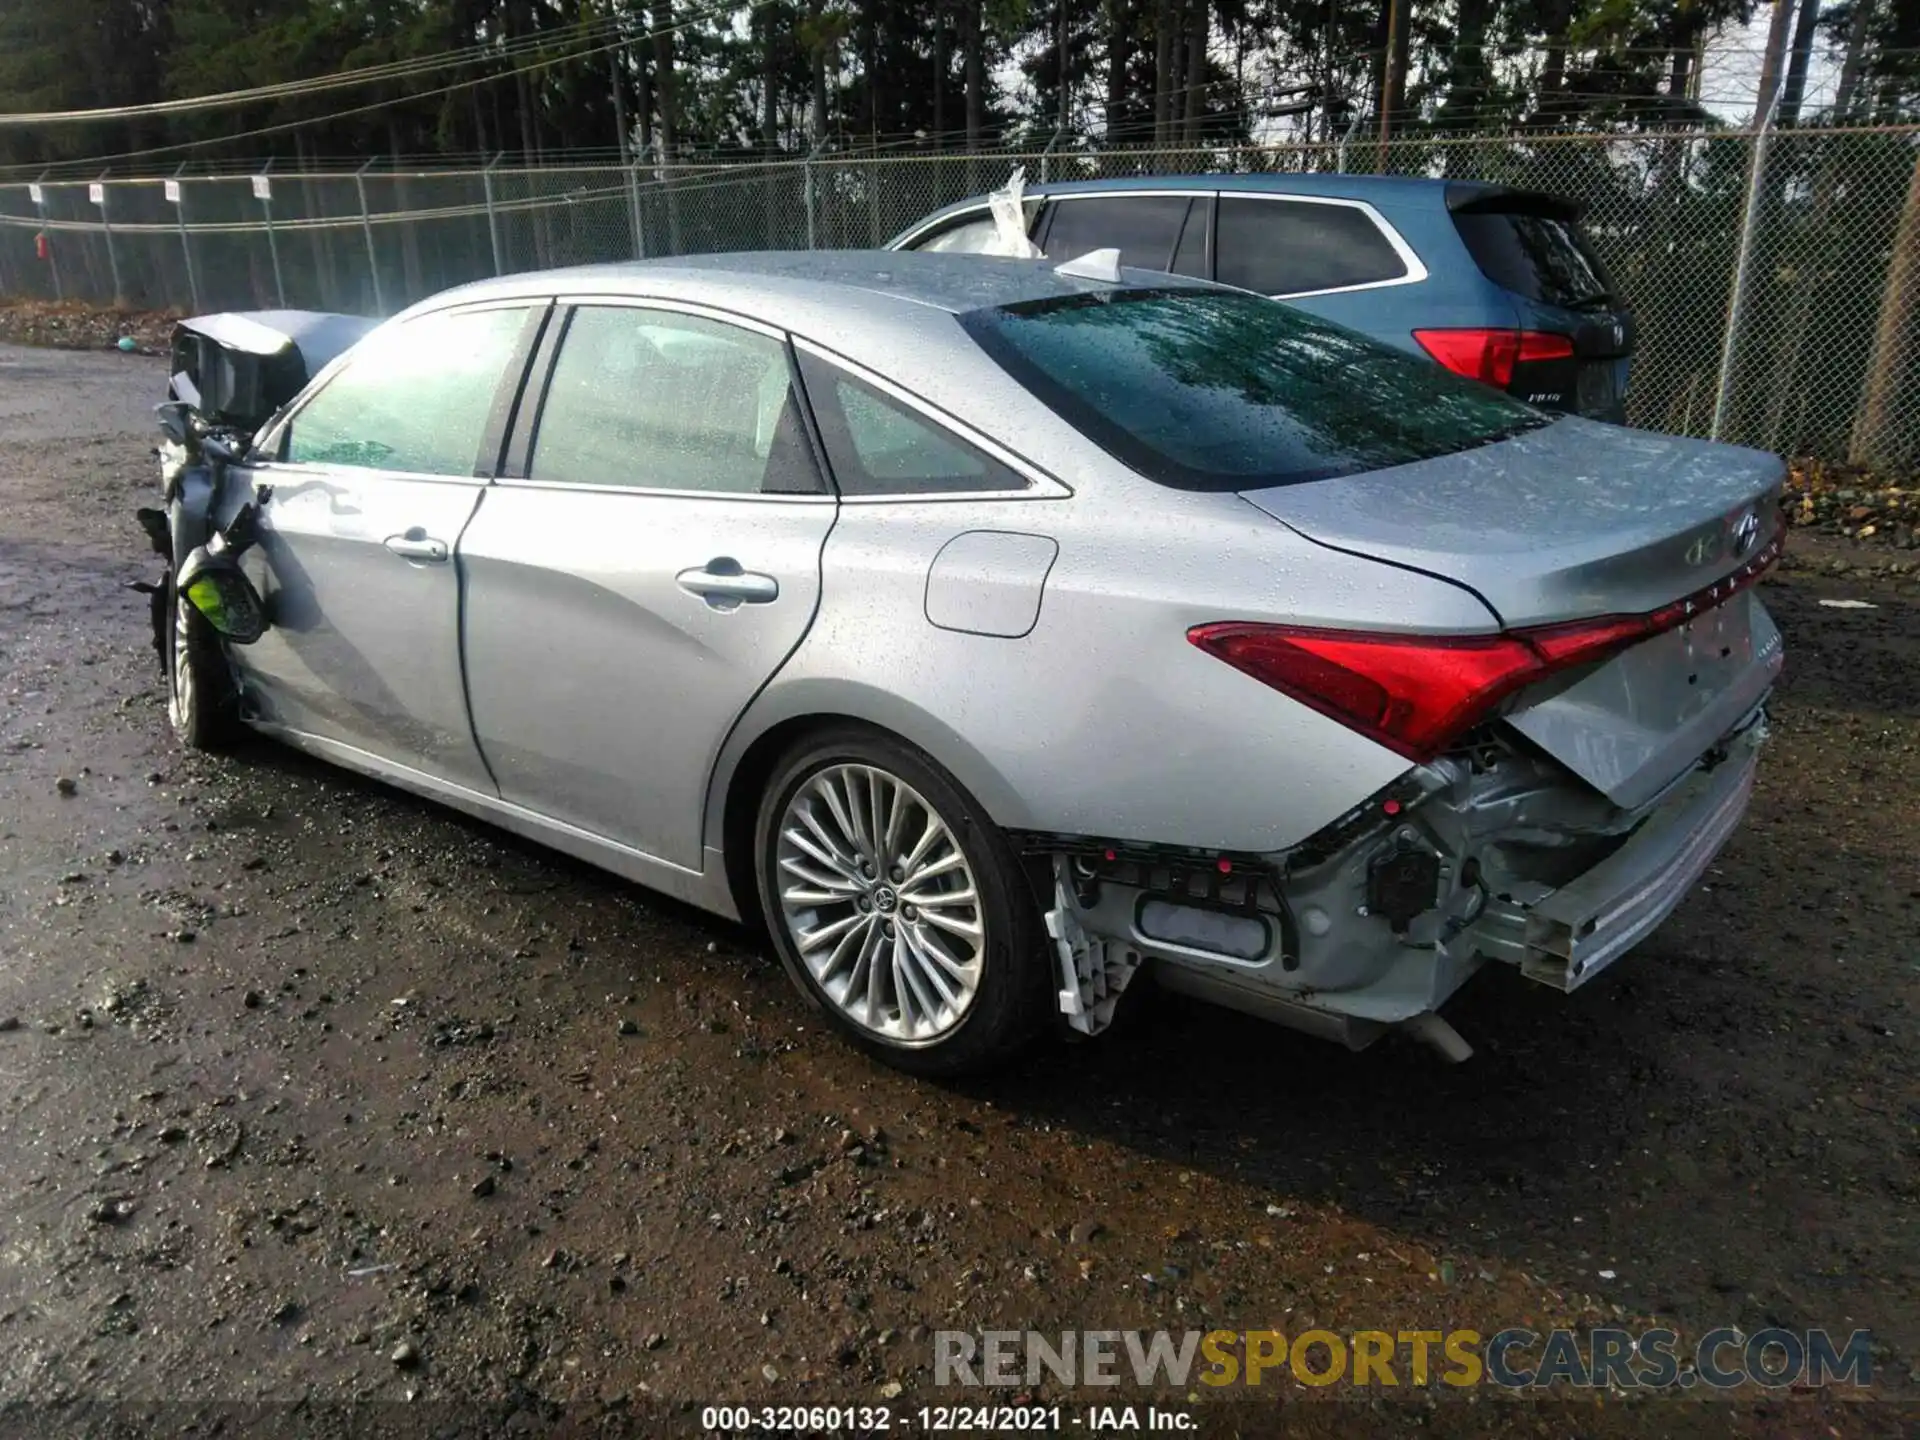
(1496, 283)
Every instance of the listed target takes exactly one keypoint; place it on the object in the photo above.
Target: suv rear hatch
(1572, 522)
(1533, 246)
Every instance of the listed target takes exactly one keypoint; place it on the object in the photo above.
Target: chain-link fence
(1776, 276)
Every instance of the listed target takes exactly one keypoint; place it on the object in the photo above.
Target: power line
(321, 84)
(542, 63)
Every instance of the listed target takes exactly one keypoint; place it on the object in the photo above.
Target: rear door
(378, 473)
(1534, 247)
(648, 559)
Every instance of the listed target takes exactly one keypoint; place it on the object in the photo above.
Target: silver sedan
(991, 629)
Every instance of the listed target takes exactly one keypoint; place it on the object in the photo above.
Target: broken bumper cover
(1571, 934)
(1327, 962)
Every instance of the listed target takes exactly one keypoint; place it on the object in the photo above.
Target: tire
(203, 703)
(941, 1002)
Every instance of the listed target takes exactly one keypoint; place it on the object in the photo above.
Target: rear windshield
(1539, 257)
(1206, 390)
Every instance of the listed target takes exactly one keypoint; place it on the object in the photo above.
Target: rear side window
(414, 398)
(656, 400)
(1538, 257)
(878, 446)
(1143, 228)
(1205, 390)
(1294, 247)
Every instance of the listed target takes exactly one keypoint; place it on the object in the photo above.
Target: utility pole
(1393, 72)
(1777, 33)
(1764, 116)
(1326, 72)
(1796, 85)
(615, 58)
(1062, 126)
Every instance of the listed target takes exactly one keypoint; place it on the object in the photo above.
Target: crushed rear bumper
(1571, 934)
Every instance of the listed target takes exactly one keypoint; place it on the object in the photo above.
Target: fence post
(177, 192)
(366, 230)
(633, 210)
(807, 169)
(1046, 155)
(1742, 266)
(97, 192)
(39, 198)
(263, 192)
(493, 220)
(1340, 154)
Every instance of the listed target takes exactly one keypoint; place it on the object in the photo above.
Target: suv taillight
(1490, 355)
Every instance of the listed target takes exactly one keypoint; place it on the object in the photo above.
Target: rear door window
(1193, 256)
(1538, 257)
(1298, 247)
(1143, 228)
(657, 400)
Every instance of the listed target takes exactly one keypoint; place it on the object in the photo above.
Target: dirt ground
(310, 1091)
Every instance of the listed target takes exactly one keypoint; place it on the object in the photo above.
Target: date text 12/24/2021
(941, 1419)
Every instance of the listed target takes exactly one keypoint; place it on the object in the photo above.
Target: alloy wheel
(180, 686)
(879, 900)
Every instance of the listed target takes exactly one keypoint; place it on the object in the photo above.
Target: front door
(653, 567)
(360, 522)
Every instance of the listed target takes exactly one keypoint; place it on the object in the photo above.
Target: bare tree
(663, 80)
(1882, 436)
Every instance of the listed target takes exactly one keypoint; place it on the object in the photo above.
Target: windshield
(1206, 390)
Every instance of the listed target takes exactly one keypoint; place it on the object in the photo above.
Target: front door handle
(416, 544)
(725, 586)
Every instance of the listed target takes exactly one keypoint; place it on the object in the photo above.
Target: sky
(1730, 77)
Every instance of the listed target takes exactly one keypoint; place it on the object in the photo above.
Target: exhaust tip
(1448, 1042)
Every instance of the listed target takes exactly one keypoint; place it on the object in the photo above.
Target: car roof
(1314, 183)
(1397, 192)
(811, 291)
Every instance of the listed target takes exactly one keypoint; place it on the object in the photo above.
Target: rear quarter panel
(1102, 720)
(1454, 295)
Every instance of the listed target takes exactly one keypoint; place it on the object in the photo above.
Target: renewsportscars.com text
(1517, 1359)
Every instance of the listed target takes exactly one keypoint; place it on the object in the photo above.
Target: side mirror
(173, 420)
(213, 583)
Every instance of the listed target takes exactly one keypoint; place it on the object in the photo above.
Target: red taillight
(1418, 693)
(1490, 355)
(1412, 693)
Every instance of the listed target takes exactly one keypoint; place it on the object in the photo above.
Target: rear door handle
(724, 585)
(416, 544)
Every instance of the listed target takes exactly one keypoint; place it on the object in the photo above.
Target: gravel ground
(310, 1090)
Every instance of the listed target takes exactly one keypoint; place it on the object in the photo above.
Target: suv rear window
(1537, 256)
(1204, 390)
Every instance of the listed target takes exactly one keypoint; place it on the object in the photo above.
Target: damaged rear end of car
(1570, 769)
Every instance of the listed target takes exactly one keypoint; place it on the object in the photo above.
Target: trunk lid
(1577, 520)
(1634, 725)
(1571, 520)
